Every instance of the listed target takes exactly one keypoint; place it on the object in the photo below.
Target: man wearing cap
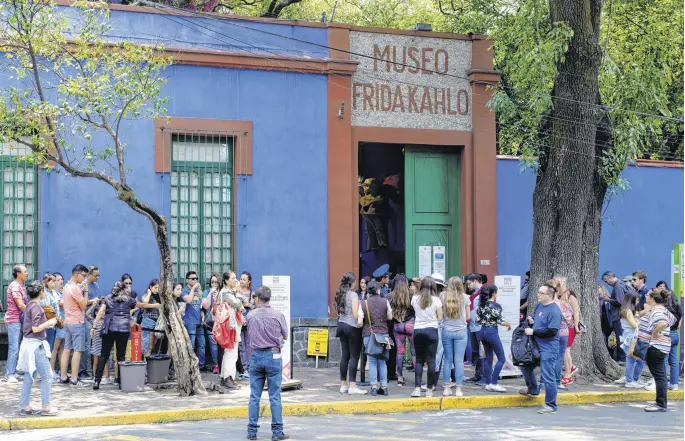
(382, 276)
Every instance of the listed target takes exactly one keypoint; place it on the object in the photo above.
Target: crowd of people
(63, 330)
(447, 325)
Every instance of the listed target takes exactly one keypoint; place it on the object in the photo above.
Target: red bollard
(136, 343)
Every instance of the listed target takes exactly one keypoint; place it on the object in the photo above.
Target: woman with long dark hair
(403, 323)
(489, 316)
(208, 301)
(150, 315)
(228, 354)
(244, 294)
(428, 313)
(362, 293)
(349, 333)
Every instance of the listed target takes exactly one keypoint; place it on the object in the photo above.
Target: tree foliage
(66, 93)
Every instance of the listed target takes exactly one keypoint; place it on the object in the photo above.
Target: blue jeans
(493, 346)
(454, 344)
(634, 368)
(50, 336)
(672, 361)
(265, 365)
(378, 369)
(213, 348)
(45, 373)
(83, 367)
(548, 376)
(563, 341)
(147, 322)
(13, 338)
(439, 355)
(197, 340)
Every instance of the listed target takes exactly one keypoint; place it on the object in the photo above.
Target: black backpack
(524, 349)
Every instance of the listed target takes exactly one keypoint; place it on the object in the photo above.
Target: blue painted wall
(282, 214)
(640, 225)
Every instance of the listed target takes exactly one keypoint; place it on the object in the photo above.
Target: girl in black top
(489, 316)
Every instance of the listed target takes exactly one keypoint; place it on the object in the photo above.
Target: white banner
(280, 301)
(509, 296)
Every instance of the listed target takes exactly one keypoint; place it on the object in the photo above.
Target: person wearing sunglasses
(192, 319)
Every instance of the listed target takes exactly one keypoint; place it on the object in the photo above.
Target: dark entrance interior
(381, 207)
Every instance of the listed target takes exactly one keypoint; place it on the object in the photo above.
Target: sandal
(655, 409)
(566, 380)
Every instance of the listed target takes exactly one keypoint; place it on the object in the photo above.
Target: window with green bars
(201, 203)
(18, 188)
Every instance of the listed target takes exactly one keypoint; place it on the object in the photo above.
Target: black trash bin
(158, 368)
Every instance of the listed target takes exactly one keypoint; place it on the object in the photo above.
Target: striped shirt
(648, 324)
(267, 328)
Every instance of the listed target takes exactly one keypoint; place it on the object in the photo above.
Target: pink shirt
(14, 291)
(73, 314)
(566, 317)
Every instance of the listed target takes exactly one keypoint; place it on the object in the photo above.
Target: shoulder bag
(377, 345)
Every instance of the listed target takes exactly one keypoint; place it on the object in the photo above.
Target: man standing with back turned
(268, 329)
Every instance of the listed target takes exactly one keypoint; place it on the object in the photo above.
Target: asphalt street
(615, 422)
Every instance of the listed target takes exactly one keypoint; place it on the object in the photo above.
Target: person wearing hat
(382, 276)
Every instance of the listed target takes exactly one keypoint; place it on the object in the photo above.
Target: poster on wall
(439, 260)
(424, 261)
(280, 301)
(508, 296)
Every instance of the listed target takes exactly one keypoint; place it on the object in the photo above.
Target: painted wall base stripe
(395, 405)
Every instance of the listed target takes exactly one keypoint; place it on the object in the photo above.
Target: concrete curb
(394, 405)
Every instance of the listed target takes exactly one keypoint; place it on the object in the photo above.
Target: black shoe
(383, 391)
(279, 437)
(251, 436)
(32, 412)
(474, 379)
(96, 384)
(67, 381)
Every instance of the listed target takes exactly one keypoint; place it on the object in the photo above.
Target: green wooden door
(432, 178)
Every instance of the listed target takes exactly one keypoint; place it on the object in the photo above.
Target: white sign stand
(280, 301)
(509, 297)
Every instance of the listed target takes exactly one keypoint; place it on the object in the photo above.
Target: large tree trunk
(569, 191)
(186, 364)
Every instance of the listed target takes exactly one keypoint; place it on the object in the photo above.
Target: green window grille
(18, 188)
(201, 203)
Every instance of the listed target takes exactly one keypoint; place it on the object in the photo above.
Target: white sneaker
(423, 388)
(429, 393)
(495, 388)
(451, 384)
(651, 386)
(357, 391)
(107, 381)
(416, 393)
(344, 389)
(11, 379)
(458, 392)
(621, 380)
(672, 387)
(446, 392)
(634, 385)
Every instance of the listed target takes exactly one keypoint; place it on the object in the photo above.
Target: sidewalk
(320, 394)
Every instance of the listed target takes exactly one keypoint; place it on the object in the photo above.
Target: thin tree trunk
(569, 191)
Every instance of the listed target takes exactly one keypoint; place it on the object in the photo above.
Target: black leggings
(108, 340)
(426, 345)
(350, 343)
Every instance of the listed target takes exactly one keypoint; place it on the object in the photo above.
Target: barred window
(201, 203)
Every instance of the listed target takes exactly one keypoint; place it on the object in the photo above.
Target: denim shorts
(75, 338)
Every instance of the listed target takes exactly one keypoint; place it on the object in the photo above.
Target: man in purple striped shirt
(268, 329)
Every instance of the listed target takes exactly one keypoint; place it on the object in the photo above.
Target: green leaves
(67, 90)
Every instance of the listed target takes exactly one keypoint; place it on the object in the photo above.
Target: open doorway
(381, 207)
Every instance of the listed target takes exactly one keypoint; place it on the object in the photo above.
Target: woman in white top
(428, 311)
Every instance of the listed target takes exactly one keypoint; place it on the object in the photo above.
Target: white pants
(228, 363)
